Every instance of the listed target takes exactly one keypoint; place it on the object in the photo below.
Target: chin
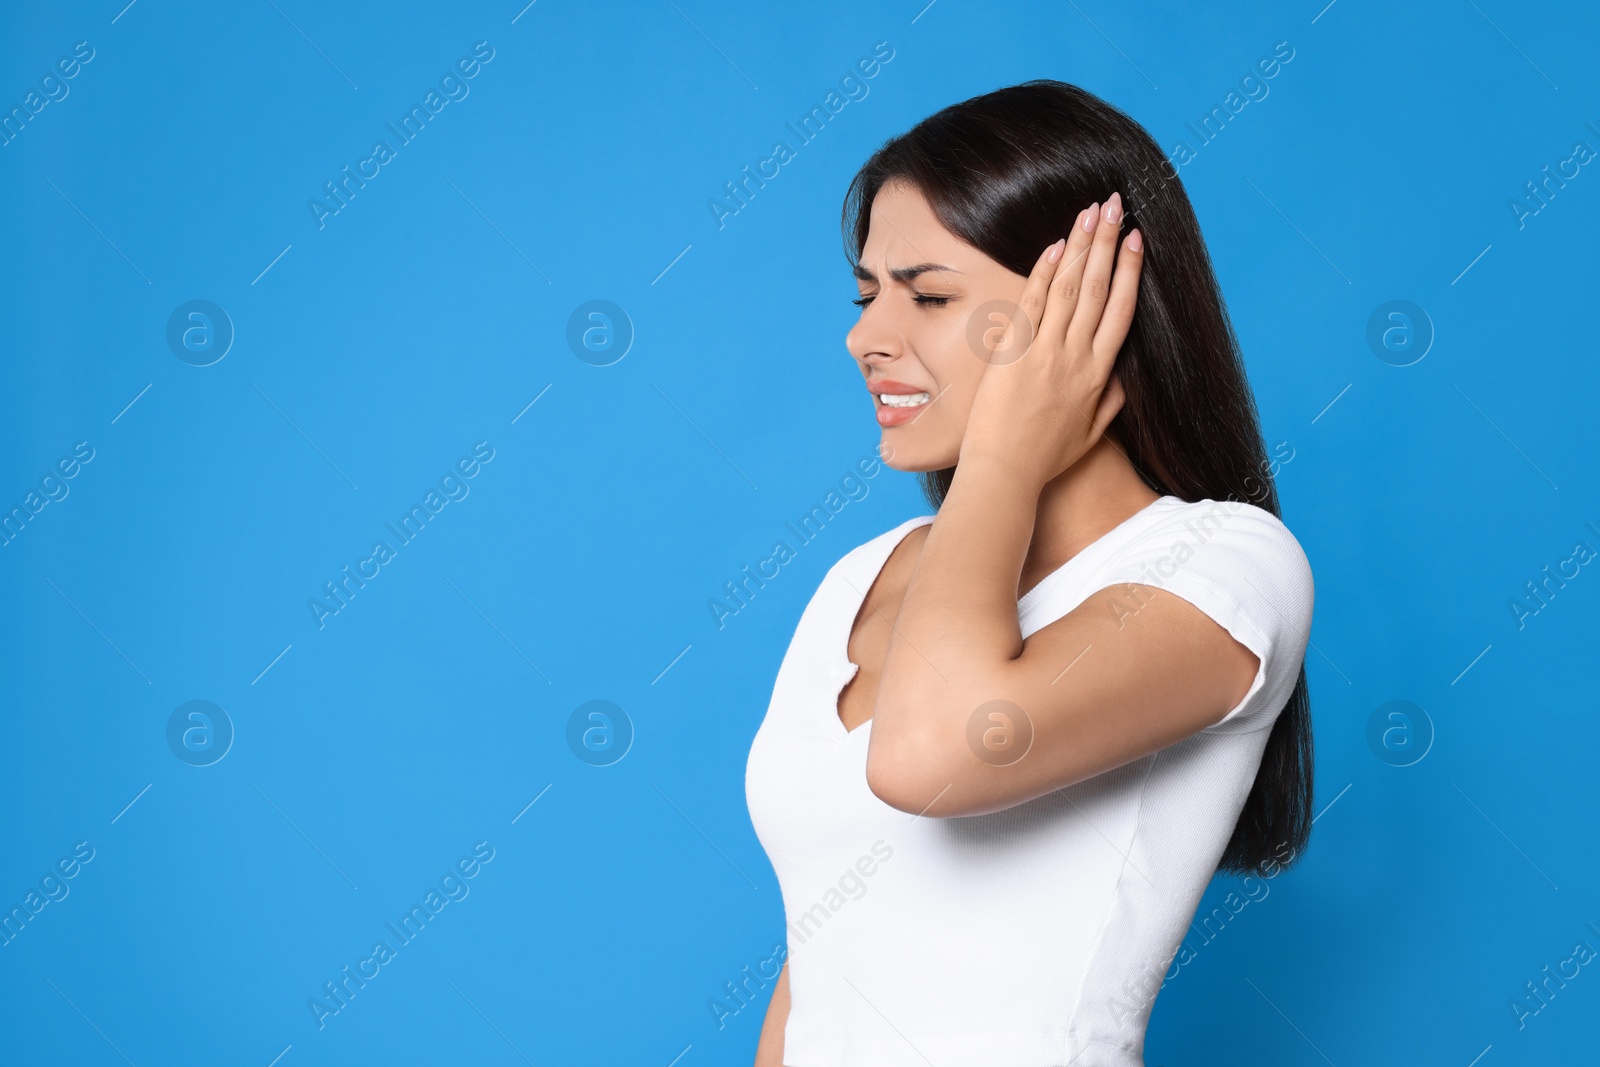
(902, 452)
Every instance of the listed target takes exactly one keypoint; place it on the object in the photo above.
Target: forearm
(957, 628)
(769, 1049)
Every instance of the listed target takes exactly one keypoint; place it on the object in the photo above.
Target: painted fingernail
(1091, 217)
(1136, 241)
(1113, 208)
(1053, 253)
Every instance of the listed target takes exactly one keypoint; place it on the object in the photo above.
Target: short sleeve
(1240, 565)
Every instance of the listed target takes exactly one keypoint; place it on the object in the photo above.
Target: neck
(1081, 505)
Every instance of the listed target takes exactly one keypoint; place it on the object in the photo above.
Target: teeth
(911, 401)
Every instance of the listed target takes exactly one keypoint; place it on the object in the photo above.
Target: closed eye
(923, 299)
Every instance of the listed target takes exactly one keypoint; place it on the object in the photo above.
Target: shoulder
(873, 553)
(1238, 563)
(846, 581)
(1217, 538)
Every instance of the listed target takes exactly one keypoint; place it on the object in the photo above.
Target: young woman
(1010, 743)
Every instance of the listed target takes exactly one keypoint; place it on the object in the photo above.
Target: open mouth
(912, 400)
(898, 404)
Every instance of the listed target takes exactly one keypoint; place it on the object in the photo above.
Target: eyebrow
(902, 274)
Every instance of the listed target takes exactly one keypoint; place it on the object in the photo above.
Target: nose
(874, 340)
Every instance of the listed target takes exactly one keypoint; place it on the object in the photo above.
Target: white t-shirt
(1037, 935)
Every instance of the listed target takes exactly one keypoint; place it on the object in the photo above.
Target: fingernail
(1135, 241)
(1091, 216)
(1113, 208)
(1054, 251)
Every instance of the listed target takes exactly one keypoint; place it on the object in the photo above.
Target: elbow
(913, 778)
(890, 784)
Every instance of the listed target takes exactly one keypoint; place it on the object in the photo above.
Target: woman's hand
(1038, 413)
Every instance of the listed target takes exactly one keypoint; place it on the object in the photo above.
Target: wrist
(1001, 467)
(1012, 464)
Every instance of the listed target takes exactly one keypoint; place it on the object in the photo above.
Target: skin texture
(769, 1051)
(1132, 669)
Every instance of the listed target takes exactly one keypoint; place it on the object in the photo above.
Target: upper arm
(1158, 651)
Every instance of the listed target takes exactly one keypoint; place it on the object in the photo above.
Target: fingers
(1118, 314)
(1064, 287)
(1096, 285)
(1035, 292)
(1076, 299)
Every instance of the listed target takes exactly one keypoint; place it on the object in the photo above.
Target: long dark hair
(1007, 172)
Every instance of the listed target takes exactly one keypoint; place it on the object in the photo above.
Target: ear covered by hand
(1039, 413)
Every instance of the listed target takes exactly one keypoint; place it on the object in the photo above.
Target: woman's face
(927, 294)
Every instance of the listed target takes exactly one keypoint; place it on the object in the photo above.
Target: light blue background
(432, 309)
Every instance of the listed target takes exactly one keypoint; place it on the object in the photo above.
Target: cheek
(956, 369)
(946, 353)
(933, 441)
(946, 422)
